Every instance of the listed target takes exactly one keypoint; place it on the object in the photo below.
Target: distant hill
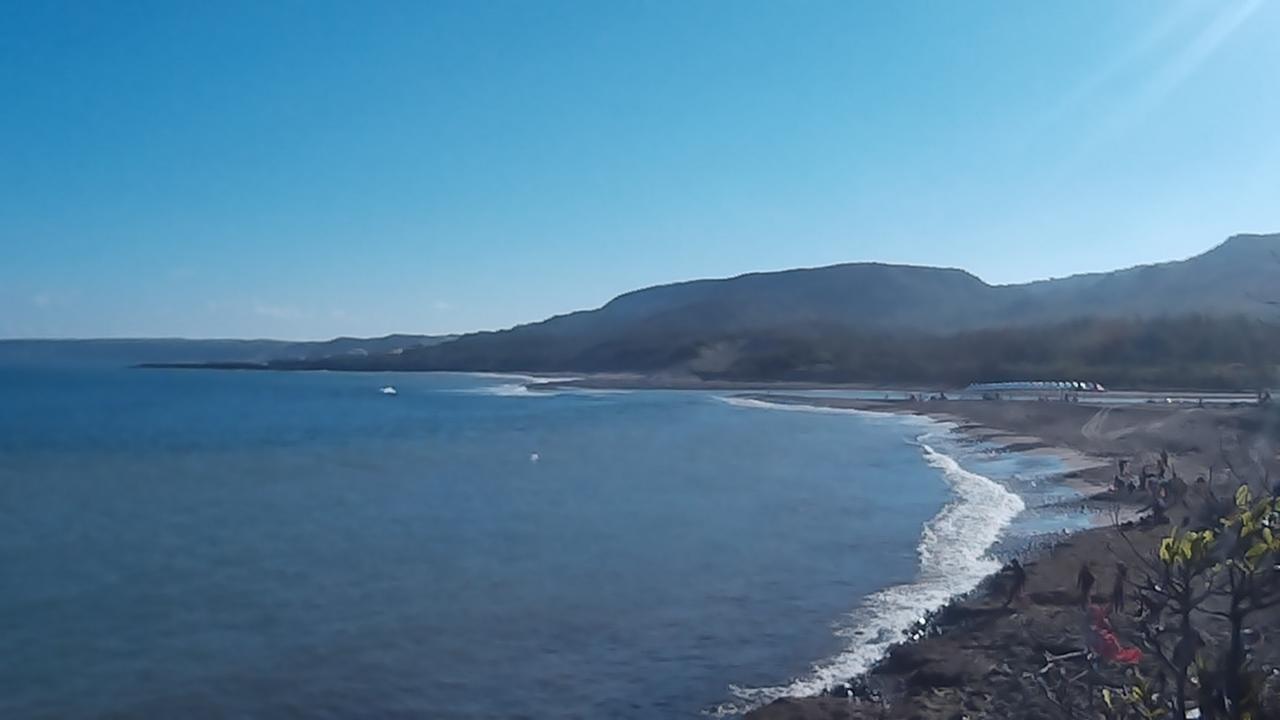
(1237, 277)
(707, 326)
(1209, 322)
(360, 347)
(135, 351)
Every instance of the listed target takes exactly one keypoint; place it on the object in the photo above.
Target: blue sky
(308, 169)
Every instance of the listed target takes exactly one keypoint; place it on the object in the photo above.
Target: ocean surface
(203, 544)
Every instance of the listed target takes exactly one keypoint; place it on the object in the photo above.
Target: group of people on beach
(1100, 637)
(1159, 479)
(1085, 581)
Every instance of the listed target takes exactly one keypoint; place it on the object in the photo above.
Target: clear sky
(308, 169)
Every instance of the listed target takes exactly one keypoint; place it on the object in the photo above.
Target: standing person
(1084, 583)
(1117, 589)
(1019, 581)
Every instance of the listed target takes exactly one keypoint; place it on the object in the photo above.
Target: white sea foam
(871, 415)
(953, 560)
(529, 385)
(525, 378)
(511, 390)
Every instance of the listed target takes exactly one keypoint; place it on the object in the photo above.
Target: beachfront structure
(1038, 386)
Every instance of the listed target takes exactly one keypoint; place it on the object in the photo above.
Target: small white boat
(388, 390)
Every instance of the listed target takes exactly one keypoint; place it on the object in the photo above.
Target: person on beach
(1159, 511)
(1084, 583)
(1019, 575)
(1117, 588)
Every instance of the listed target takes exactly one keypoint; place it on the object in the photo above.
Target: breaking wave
(897, 419)
(953, 560)
(526, 385)
(512, 390)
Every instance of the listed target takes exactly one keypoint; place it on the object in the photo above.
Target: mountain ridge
(886, 298)
(1205, 321)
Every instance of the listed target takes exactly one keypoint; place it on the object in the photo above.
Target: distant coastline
(228, 365)
(1207, 323)
(586, 380)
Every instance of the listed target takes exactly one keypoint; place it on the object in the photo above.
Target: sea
(205, 544)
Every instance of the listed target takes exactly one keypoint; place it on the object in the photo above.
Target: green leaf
(1185, 548)
(1256, 552)
(1243, 497)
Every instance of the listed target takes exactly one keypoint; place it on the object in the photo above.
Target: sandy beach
(979, 659)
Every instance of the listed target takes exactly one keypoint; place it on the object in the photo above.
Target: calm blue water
(253, 545)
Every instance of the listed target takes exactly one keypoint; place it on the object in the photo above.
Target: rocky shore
(980, 659)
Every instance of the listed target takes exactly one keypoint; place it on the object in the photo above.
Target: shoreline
(1085, 473)
(963, 436)
(594, 380)
(957, 548)
(597, 380)
(974, 657)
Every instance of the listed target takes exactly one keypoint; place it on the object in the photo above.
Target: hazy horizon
(251, 170)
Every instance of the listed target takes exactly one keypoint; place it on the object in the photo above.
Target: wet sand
(982, 660)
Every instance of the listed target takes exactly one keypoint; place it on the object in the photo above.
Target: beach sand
(980, 660)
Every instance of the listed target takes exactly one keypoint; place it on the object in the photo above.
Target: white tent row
(1038, 386)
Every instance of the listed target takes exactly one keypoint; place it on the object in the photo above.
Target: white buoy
(388, 390)
(533, 457)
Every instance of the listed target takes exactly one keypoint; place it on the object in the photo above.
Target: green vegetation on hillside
(1189, 352)
(1184, 352)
